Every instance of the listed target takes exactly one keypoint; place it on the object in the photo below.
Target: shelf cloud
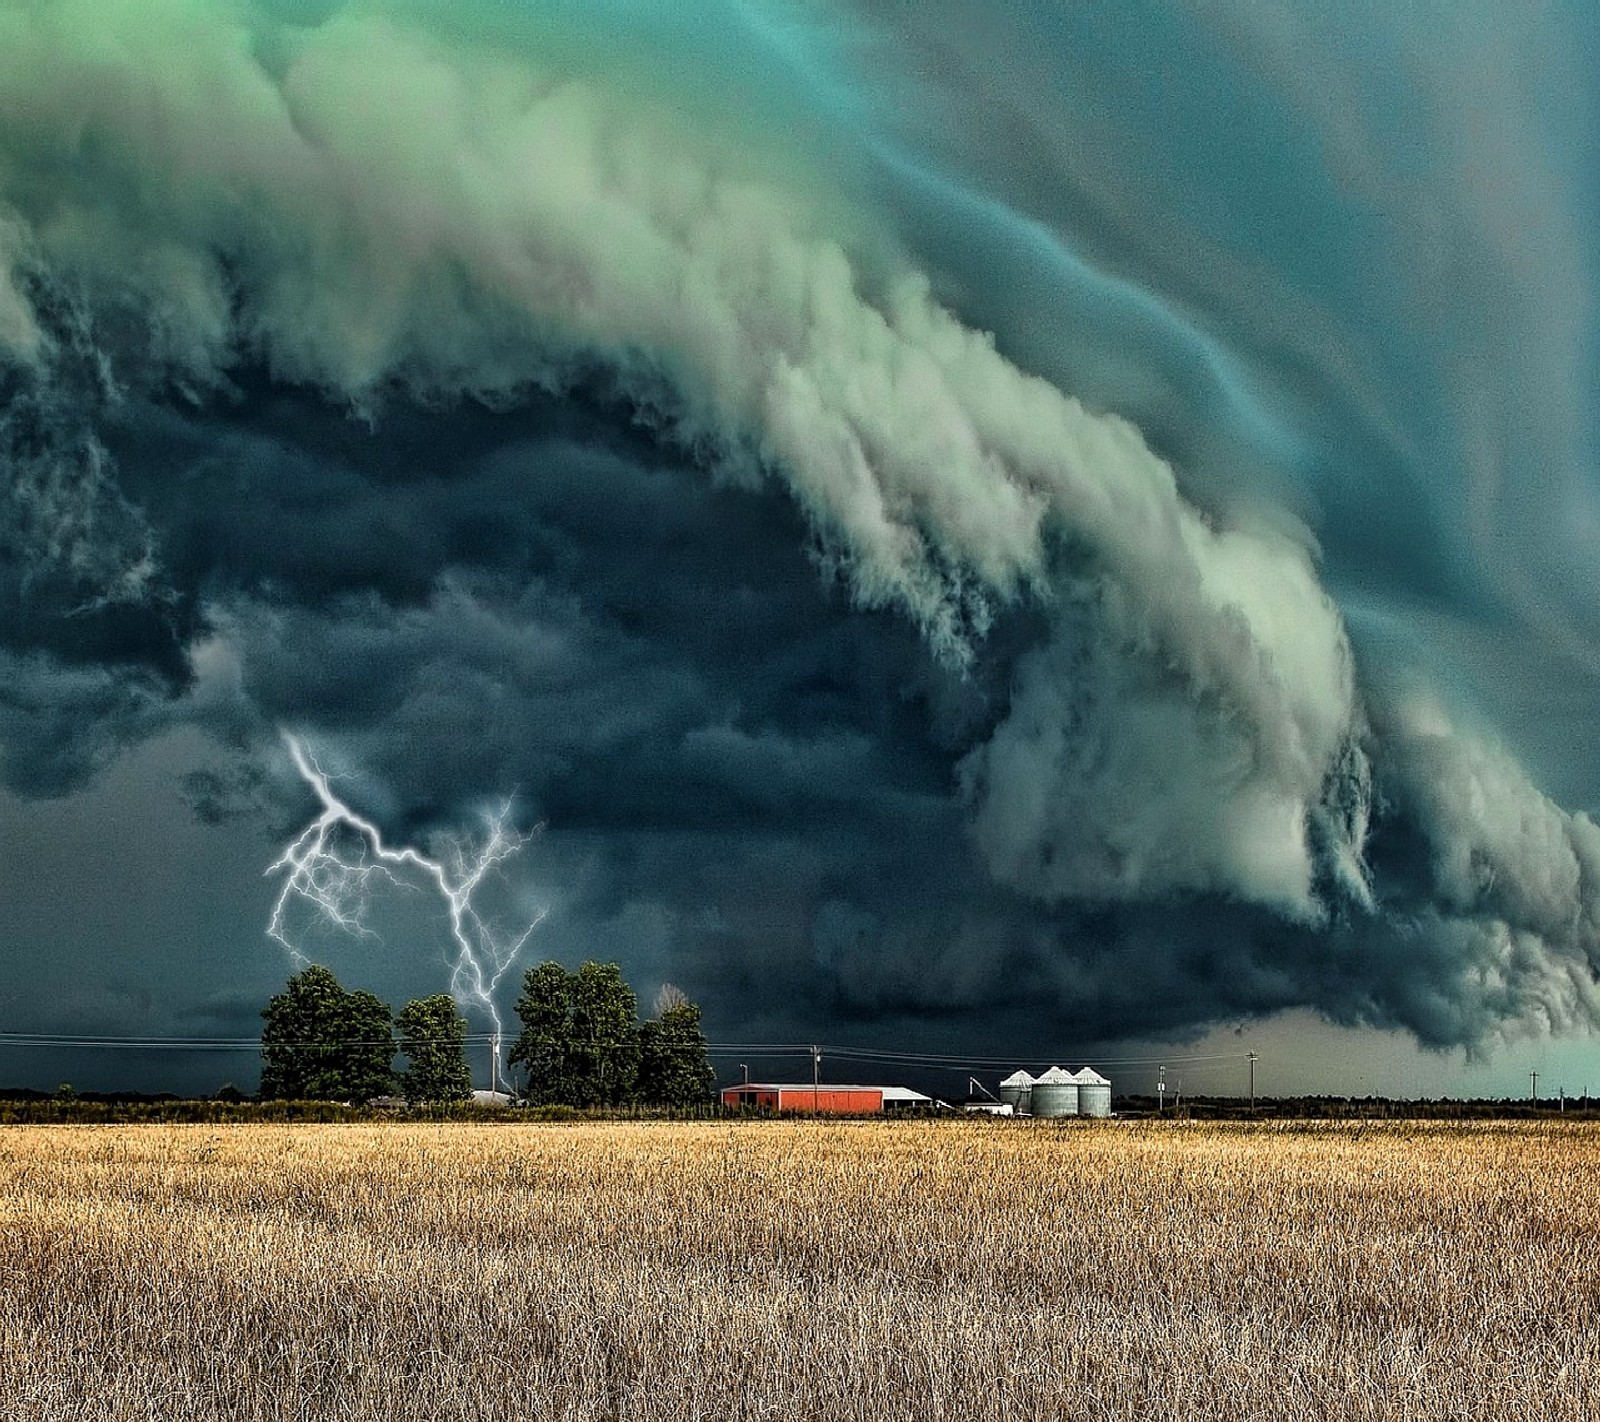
(916, 553)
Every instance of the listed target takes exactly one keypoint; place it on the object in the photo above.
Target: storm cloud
(913, 551)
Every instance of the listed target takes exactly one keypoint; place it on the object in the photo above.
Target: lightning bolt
(340, 859)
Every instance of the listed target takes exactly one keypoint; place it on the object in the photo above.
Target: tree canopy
(582, 1043)
(542, 1048)
(433, 1036)
(673, 1067)
(323, 1043)
(580, 1035)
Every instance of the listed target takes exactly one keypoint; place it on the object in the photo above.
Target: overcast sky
(1043, 531)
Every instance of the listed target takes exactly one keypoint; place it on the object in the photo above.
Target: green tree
(674, 1069)
(605, 1035)
(369, 1043)
(322, 1043)
(542, 1048)
(580, 1035)
(433, 1036)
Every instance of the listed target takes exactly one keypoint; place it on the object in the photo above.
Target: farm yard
(798, 1269)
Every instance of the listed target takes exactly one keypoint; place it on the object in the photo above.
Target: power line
(63, 1042)
(759, 1049)
(943, 1061)
(126, 1046)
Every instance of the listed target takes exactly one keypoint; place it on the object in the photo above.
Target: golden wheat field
(801, 1269)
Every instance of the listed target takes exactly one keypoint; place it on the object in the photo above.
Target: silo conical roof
(1088, 1076)
(1054, 1077)
(1018, 1078)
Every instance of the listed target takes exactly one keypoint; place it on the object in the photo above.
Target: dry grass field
(801, 1269)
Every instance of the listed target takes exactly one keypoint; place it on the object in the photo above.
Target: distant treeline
(1350, 1108)
(20, 1106)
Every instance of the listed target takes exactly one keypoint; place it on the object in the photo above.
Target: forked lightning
(337, 860)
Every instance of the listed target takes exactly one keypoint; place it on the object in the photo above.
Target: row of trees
(324, 1043)
(581, 1044)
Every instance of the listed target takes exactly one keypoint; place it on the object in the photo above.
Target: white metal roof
(1088, 1076)
(807, 1086)
(1018, 1078)
(1055, 1077)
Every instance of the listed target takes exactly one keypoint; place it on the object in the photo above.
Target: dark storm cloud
(585, 408)
(760, 771)
(59, 724)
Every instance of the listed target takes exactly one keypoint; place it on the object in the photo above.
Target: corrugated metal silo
(1016, 1091)
(1094, 1093)
(1055, 1093)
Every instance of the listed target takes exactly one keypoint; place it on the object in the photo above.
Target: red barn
(828, 1099)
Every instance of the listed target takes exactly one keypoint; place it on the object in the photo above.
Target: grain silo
(1094, 1093)
(1055, 1093)
(1016, 1091)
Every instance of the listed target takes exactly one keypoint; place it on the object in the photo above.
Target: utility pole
(1252, 1058)
(1161, 1090)
(816, 1077)
(494, 1063)
(1535, 1076)
(745, 1068)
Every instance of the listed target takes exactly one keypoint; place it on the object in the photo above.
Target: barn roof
(889, 1093)
(801, 1086)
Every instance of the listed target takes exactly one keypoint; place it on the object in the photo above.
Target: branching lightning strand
(338, 883)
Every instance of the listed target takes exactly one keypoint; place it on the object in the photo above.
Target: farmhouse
(829, 1098)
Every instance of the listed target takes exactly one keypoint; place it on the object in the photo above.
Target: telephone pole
(1535, 1076)
(816, 1077)
(1252, 1058)
(1161, 1090)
